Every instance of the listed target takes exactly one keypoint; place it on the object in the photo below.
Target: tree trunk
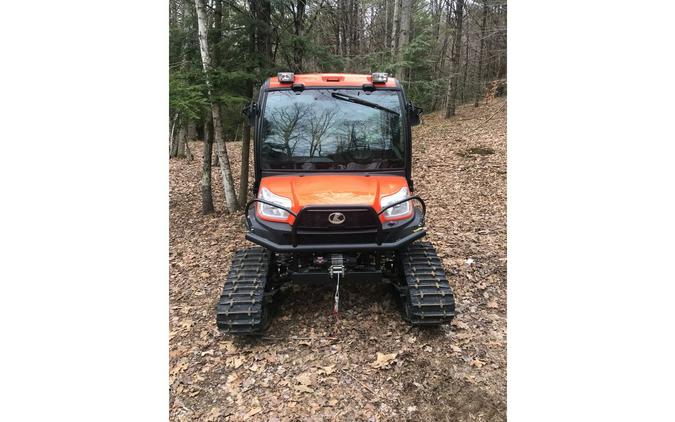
(260, 35)
(466, 67)
(182, 139)
(207, 196)
(188, 153)
(479, 75)
(404, 35)
(456, 54)
(191, 131)
(386, 24)
(221, 151)
(394, 28)
(173, 144)
(245, 153)
(299, 30)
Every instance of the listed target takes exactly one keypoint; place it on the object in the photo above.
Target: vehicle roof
(331, 80)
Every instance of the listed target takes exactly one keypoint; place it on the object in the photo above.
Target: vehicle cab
(333, 164)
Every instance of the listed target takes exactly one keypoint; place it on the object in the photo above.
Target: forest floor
(302, 370)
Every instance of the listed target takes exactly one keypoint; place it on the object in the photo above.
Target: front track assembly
(244, 306)
(426, 297)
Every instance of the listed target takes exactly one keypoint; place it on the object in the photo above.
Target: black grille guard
(294, 228)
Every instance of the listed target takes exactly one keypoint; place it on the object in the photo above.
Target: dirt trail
(310, 368)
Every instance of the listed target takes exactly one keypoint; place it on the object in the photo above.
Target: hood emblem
(336, 218)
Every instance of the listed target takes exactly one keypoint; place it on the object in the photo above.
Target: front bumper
(281, 237)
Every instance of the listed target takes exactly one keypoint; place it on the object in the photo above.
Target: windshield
(332, 129)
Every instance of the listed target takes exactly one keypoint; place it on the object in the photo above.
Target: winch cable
(336, 305)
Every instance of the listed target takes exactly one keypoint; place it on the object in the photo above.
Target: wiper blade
(357, 100)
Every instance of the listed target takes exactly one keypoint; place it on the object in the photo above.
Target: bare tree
(173, 145)
(404, 33)
(395, 27)
(298, 12)
(221, 151)
(207, 196)
(181, 141)
(287, 123)
(479, 76)
(456, 55)
(318, 127)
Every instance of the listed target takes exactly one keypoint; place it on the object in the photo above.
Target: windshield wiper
(357, 100)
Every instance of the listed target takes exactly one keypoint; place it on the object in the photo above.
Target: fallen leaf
(234, 362)
(327, 369)
(213, 414)
(463, 336)
(460, 324)
(383, 360)
(304, 378)
(303, 388)
(492, 304)
(477, 363)
(187, 323)
(455, 348)
(254, 411)
(228, 347)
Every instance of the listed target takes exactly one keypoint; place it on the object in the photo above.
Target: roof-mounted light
(286, 77)
(380, 77)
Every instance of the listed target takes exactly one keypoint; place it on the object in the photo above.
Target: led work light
(285, 77)
(380, 77)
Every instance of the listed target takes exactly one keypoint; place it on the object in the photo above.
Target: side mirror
(250, 111)
(414, 113)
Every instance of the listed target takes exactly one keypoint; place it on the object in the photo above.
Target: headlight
(269, 210)
(397, 210)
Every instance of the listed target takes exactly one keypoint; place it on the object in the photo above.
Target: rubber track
(240, 308)
(429, 298)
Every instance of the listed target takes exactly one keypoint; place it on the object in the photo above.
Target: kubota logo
(336, 218)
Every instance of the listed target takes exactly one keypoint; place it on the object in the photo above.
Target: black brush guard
(402, 231)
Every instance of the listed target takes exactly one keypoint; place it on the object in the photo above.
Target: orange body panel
(333, 189)
(331, 80)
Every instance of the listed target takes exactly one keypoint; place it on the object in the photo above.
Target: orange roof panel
(331, 80)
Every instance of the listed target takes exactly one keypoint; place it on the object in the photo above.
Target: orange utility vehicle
(334, 199)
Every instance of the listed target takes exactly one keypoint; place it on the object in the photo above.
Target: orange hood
(332, 189)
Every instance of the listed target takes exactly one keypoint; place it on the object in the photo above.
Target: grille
(363, 218)
(332, 237)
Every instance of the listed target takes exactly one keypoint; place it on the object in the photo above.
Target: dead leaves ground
(370, 365)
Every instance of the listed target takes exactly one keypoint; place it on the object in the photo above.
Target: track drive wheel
(244, 305)
(426, 295)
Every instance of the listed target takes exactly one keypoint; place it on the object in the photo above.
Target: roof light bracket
(368, 88)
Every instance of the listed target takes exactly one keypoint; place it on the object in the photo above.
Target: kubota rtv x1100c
(334, 199)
